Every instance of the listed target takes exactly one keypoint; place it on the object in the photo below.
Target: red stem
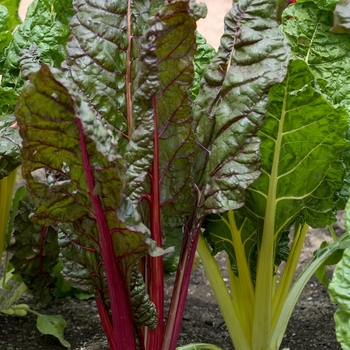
(182, 281)
(156, 276)
(122, 318)
(106, 324)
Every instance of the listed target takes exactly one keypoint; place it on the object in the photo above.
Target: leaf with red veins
(232, 103)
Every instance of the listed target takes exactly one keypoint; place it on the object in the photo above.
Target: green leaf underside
(327, 54)
(35, 253)
(231, 106)
(304, 135)
(60, 185)
(102, 57)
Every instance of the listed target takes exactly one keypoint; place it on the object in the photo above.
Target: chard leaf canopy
(231, 106)
(302, 141)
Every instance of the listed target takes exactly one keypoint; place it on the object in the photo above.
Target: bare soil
(311, 325)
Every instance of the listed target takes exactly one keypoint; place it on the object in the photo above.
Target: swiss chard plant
(303, 181)
(128, 151)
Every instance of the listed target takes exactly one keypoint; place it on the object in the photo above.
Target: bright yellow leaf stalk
(245, 306)
(7, 185)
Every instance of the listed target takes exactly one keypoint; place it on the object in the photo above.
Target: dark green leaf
(103, 58)
(144, 310)
(175, 51)
(35, 253)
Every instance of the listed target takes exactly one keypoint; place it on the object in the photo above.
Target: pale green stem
(222, 296)
(265, 288)
(7, 185)
(288, 272)
(244, 298)
(298, 286)
(333, 234)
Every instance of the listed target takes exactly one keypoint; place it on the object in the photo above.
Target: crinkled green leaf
(327, 5)
(198, 10)
(339, 293)
(327, 54)
(10, 140)
(103, 57)
(5, 30)
(144, 310)
(47, 28)
(338, 290)
(35, 253)
(232, 103)
(12, 7)
(46, 24)
(52, 325)
(204, 54)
